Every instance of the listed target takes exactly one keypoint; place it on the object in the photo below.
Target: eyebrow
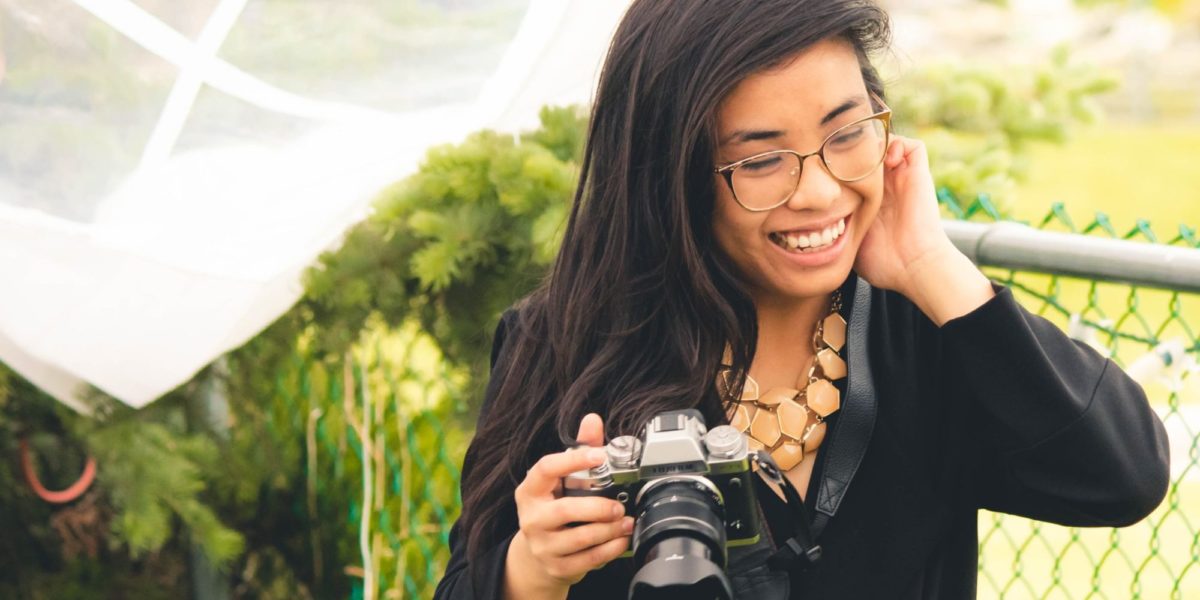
(741, 136)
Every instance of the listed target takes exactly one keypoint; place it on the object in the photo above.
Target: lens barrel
(679, 542)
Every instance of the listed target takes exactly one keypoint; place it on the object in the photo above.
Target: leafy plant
(979, 123)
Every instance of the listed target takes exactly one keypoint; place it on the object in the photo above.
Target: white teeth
(812, 241)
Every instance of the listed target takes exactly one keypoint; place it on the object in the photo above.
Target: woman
(741, 196)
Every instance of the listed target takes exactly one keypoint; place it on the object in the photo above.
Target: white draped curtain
(168, 170)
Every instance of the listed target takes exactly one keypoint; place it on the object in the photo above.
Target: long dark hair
(635, 315)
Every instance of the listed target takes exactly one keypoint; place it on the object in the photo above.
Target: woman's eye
(762, 165)
(848, 137)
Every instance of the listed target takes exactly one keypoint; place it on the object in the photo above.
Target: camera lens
(679, 541)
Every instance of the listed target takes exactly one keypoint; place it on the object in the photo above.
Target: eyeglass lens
(851, 153)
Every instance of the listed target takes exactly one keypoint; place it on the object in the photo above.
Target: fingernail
(618, 510)
(627, 525)
(595, 455)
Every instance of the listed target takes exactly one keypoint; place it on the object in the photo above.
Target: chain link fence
(385, 429)
(1147, 332)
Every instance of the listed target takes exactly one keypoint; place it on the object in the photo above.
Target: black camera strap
(802, 545)
(847, 446)
(851, 435)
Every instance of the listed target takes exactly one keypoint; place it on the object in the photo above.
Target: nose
(817, 189)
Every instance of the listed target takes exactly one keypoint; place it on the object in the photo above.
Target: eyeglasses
(852, 152)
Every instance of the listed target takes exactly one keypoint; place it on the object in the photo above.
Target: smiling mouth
(813, 240)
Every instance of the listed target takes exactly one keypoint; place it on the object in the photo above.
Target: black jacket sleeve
(484, 577)
(1061, 433)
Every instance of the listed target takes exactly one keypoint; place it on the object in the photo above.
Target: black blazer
(997, 409)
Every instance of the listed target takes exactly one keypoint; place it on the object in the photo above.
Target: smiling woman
(816, 103)
(750, 240)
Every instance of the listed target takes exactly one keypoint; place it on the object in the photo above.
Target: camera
(691, 492)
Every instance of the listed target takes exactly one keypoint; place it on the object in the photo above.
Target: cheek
(724, 219)
(735, 229)
(871, 192)
(726, 230)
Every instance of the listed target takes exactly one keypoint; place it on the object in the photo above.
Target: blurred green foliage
(1169, 7)
(128, 536)
(394, 323)
(980, 123)
(454, 244)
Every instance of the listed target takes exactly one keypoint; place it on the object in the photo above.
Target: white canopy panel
(175, 180)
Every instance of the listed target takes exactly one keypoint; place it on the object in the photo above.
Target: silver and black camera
(691, 492)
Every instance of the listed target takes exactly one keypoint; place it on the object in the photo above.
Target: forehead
(796, 93)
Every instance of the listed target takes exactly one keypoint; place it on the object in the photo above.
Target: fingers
(576, 509)
(591, 430)
(544, 477)
(598, 526)
(895, 152)
(905, 150)
(570, 540)
(592, 558)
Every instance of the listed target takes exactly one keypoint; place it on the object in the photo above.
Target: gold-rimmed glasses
(851, 153)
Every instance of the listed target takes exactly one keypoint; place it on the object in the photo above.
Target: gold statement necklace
(790, 423)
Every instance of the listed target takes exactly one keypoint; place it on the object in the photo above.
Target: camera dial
(624, 452)
(724, 441)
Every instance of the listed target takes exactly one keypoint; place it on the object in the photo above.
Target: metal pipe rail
(1015, 246)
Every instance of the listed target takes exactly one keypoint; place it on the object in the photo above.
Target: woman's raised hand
(907, 250)
(908, 230)
(547, 556)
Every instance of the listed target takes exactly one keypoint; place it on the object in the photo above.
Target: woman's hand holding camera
(561, 539)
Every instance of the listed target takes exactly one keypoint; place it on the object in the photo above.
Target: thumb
(591, 430)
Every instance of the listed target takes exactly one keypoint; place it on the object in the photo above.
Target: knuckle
(590, 510)
(596, 509)
(616, 509)
(587, 537)
(559, 511)
(530, 519)
(536, 545)
(618, 546)
(599, 555)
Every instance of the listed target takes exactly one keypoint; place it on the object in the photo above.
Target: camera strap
(851, 434)
(847, 446)
(801, 547)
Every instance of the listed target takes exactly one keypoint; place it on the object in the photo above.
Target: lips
(809, 240)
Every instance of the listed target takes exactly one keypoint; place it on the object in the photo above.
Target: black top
(780, 517)
(997, 409)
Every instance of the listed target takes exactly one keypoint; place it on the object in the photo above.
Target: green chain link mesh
(1157, 557)
(397, 395)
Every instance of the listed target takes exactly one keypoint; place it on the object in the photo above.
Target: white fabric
(199, 249)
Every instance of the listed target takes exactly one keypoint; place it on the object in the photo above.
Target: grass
(1128, 173)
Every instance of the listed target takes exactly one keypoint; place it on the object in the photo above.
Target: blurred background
(253, 252)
